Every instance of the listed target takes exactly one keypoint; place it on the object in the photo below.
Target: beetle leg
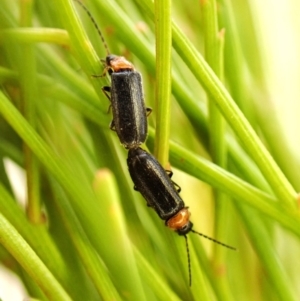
(112, 125)
(148, 111)
(106, 90)
(169, 173)
(178, 188)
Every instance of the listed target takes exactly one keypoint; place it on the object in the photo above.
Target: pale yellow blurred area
(278, 31)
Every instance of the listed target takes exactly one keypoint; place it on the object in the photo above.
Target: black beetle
(155, 185)
(160, 192)
(126, 96)
(127, 101)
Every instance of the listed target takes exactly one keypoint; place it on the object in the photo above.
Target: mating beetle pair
(130, 123)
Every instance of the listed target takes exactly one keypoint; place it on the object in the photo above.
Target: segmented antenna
(188, 259)
(95, 24)
(214, 240)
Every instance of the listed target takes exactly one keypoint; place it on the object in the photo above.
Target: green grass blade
(28, 259)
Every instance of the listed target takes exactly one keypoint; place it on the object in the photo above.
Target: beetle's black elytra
(128, 108)
(127, 102)
(155, 185)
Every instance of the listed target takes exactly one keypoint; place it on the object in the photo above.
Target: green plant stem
(214, 55)
(83, 99)
(219, 287)
(26, 13)
(270, 261)
(28, 259)
(105, 187)
(162, 290)
(39, 239)
(163, 79)
(201, 273)
(80, 43)
(87, 253)
(31, 35)
(28, 81)
(214, 42)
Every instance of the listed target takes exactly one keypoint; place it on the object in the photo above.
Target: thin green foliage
(163, 79)
(85, 234)
(17, 246)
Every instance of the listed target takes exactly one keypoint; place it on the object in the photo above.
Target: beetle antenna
(214, 240)
(188, 259)
(95, 24)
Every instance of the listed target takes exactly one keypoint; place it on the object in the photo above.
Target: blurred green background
(80, 231)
